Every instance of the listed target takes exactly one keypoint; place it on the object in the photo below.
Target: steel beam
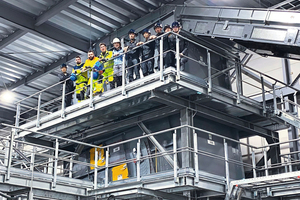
(53, 11)
(256, 77)
(156, 144)
(46, 71)
(26, 22)
(209, 113)
(157, 193)
(11, 38)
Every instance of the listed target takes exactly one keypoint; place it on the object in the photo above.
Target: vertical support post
(161, 58)
(238, 82)
(71, 167)
(91, 89)
(254, 164)
(175, 156)
(263, 94)
(266, 162)
(290, 163)
(38, 111)
(138, 161)
(226, 164)
(177, 57)
(283, 107)
(32, 159)
(296, 105)
(95, 169)
(55, 163)
(106, 168)
(50, 165)
(196, 156)
(186, 118)
(209, 72)
(6, 153)
(274, 99)
(123, 76)
(63, 105)
(10, 152)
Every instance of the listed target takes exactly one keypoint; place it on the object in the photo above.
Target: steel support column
(186, 118)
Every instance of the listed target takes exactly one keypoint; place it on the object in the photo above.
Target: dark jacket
(69, 83)
(132, 54)
(147, 50)
(183, 45)
(165, 43)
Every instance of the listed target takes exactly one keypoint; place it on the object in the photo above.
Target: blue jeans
(147, 67)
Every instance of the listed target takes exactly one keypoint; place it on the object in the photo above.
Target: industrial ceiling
(36, 36)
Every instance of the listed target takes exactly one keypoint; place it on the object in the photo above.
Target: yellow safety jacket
(82, 76)
(108, 66)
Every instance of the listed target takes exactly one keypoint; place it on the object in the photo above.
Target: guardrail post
(196, 156)
(106, 167)
(254, 164)
(55, 164)
(274, 99)
(296, 104)
(123, 76)
(290, 163)
(91, 89)
(38, 110)
(96, 170)
(226, 164)
(71, 167)
(177, 57)
(10, 152)
(63, 104)
(138, 161)
(266, 163)
(238, 82)
(209, 73)
(175, 156)
(263, 94)
(161, 58)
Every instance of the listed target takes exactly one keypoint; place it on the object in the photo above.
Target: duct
(156, 143)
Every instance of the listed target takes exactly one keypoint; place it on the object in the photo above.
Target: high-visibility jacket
(108, 66)
(90, 64)
(82, 76)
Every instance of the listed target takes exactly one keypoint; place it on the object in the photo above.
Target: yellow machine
(120, 172)
(101, 157)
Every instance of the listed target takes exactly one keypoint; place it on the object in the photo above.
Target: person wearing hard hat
(169, 57)
(106, 58)
(183, 44)
(132, 56)
(118, 61)
(158, 28)
(80, 77)
(147, 51)
(64, 78)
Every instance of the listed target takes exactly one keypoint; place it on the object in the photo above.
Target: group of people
(107, 68)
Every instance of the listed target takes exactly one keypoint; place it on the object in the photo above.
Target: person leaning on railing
(88, 65)
(183, 45)
(80, 77)
(64, 76)
(132, 56)
(108, 63)
(147, 52)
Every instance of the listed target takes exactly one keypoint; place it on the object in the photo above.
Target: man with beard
(88, 65)
(81, 79)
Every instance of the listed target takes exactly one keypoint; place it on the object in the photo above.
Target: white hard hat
(116, 40)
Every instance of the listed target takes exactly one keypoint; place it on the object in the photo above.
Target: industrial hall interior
(149, 100)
